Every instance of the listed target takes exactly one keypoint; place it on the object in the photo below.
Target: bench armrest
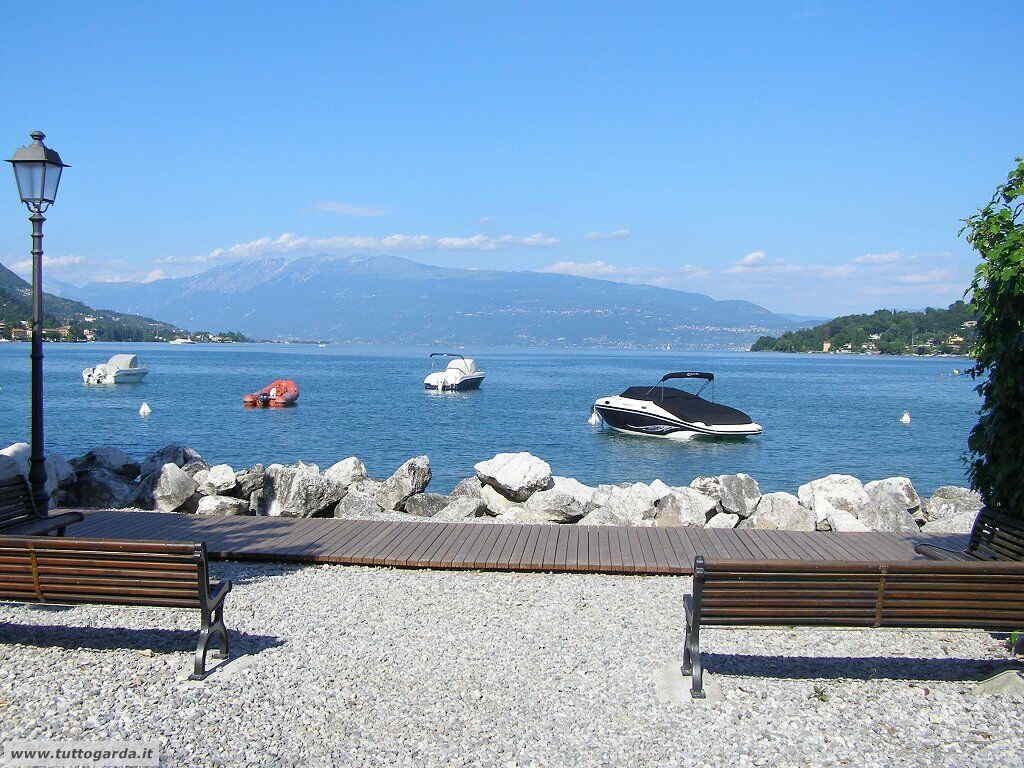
(941, 553)
(218, 593)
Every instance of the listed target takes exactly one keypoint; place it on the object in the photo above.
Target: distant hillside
(388, 299)
(78, 320)
(885, 332)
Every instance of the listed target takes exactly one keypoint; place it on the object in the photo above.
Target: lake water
(821, 413)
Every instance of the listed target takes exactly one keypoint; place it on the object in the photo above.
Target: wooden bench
(18, 514)
(69, 571)
(994, 536)
(915, 594)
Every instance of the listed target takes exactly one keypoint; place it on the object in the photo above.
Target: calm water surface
(821, 414)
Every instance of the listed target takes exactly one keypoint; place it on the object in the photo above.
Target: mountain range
(16, 306)
(392, 300)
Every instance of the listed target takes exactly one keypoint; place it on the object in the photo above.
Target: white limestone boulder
(18, 453)
(410, 478)
(462, 508)
(842, 521)
(950, 501)
(110, 458)
(684, 507)
(739, 494)
(893, 504)
(357, 504)
(522, 514)
(709, 486)
(172, 453)
(660, 490)
(221, 478)
(203, 487)
(633, 504)
(468, 487)
(515, 475)
(723, 520)
(298, 490)
(780, 511)
(834, 493)
(566, 501)
(102, 489)
(497, 505)
(222, 505)
(346, 472)
(165, 490)
(952, 510)
(602, 516)
(248, 480)
(60, 475)
(425, 504)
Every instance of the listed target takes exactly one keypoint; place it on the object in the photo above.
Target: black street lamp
(37, 170)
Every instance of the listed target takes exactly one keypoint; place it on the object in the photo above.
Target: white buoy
(145, 410)
(905, 418)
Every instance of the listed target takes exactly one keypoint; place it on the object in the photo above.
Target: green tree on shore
(997, 233)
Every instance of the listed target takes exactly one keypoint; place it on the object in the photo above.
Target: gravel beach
(373, 666)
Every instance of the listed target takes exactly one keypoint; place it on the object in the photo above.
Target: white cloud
(154, 274)
(333, 206)
(617, 234)
(751, 258)
(289, 242)
(666, 278)
(890, 257)
(939, 275)
(25, 267)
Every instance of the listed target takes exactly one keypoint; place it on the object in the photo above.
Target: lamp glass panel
(50, 181)
(30, 179)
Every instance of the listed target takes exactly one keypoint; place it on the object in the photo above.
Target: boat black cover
(688, 407)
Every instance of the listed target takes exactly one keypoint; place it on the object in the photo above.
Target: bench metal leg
(691, 655)
(213, 626)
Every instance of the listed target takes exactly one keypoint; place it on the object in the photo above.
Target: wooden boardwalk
(490, 546)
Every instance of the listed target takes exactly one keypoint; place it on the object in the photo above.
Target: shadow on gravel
(105, 638)
(843, 667)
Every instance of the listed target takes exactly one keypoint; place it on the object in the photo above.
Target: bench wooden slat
(983, 594)
(994, 536)
(135, 573)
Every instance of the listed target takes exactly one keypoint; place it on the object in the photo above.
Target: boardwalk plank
(572, 550)
(532, 556)
(428, 552)
(494, 545)
(562, 549)
(489, 545)
(465, 536)
(394, 554)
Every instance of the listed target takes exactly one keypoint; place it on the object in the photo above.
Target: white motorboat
(460, 374)
(119, 369)
(181, 341)
(666, 412)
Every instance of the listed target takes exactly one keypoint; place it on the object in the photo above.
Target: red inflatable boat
(277, 394)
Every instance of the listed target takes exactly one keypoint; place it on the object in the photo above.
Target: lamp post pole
(37, 463)
(37, 171)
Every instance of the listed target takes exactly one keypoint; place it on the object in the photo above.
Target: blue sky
(814, 158)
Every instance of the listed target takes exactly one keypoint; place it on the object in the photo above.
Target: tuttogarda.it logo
(47, 753)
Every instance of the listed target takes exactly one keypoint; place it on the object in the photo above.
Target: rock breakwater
(508, 488)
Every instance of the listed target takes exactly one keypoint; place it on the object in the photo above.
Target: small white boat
(181, 341)
(460, 375)
(119, 369)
